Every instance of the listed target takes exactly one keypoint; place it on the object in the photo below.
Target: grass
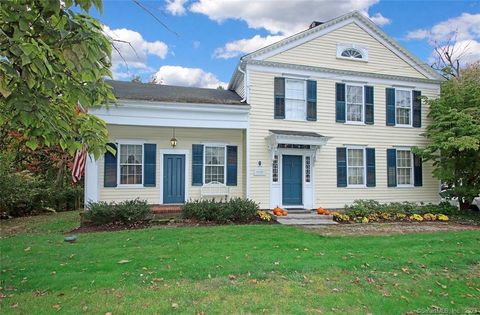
(233, 269)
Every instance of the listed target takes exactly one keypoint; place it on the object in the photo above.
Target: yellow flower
(442, 217)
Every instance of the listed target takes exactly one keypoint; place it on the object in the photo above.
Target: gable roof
(173, 94)
(319, 30)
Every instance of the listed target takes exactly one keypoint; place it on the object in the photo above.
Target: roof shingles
(173, 94)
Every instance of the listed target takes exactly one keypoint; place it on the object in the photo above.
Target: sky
(199, 42)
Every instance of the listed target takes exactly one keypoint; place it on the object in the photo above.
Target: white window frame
(341, 47)
(129, 142)
(354, 122)
(411, 108)
(364, 185)
(215, 145)
(304, 98)
(411, 167)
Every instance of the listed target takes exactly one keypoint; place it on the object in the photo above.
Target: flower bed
(365, 211)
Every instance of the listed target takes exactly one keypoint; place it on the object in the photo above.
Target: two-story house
(321, 118)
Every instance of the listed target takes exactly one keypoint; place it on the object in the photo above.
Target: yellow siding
(378, 136)
(161, 136)
(322, 52)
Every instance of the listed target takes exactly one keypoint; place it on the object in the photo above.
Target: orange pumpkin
(285, 213)
(327, 212)
(320, 210)
(278, 211)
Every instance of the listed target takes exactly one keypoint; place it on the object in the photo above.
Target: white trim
(354, 122)
(215, 145)
(412, 171)
(91, 193)
(337, 75)
(130, 142)
(357, 147)
(163, 152)
(144, 113)
(410, 125)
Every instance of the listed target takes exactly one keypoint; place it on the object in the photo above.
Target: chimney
(315, 24)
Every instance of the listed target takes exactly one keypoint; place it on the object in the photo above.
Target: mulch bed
(167, 223)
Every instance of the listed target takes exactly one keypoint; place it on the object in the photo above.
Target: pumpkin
(278, 211)
(327, 212)
(285, 213)
(320, 210)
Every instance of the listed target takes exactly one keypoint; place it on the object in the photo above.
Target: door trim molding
(160, 173)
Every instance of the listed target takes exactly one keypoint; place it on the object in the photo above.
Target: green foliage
(233, 210)
(51, 57)
(454, 135)
(373, 209)
(129, 211)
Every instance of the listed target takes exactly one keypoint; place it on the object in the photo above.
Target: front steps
(305, 217)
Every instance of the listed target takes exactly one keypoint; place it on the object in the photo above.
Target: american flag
(80, 157)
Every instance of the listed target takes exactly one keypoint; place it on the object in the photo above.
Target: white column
(91, 180)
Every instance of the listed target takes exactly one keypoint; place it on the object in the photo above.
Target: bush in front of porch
(238, 210)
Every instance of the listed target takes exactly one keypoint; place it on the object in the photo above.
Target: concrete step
(306, 222)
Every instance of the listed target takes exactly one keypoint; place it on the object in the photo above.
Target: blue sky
(211, 35)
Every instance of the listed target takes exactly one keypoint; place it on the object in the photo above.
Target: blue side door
(173, 178)
(292, 180)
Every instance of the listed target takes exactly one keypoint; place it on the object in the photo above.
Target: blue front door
(173, 178)
(292, 180)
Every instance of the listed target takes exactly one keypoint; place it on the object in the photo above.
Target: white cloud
(281, 17)
(176, 7)
(465, 26)
(463, 32)
(245, 46)
(133, 48)
(194, 77)
(379, 19)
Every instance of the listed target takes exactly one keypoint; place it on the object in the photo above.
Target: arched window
(352, 53)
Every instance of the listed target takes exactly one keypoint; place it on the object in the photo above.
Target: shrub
(362, 208)
(233, 210)
(128, 211)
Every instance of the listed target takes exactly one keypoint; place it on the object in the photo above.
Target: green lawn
(233, 269)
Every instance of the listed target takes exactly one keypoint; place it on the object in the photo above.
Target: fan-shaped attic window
(352, 53)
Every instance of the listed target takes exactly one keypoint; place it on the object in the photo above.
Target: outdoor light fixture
(173, 141)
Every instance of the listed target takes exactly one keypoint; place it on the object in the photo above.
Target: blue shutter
(341, 167)
(197, 164)
(390, 102)
(417, 109)
(391, 168)
(371, 180)
(311, 100)
(417, 171)
(232, 152)
(340, 102)
(110, 168)
(279, 95)
(149, 167)
(369, 110)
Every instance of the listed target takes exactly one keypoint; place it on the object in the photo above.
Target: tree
(52, 57)
(454, 135)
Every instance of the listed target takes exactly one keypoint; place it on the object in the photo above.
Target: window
(308, 169)
(214, 164)
(404, 168)
(131, 164)
(295, 104)
(293, 146)
(403, 107)
(355, 167)
(354, 106)
(275, 169)
(352, 53)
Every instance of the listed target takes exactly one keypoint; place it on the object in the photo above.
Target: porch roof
(296, 137)
(173, 94)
